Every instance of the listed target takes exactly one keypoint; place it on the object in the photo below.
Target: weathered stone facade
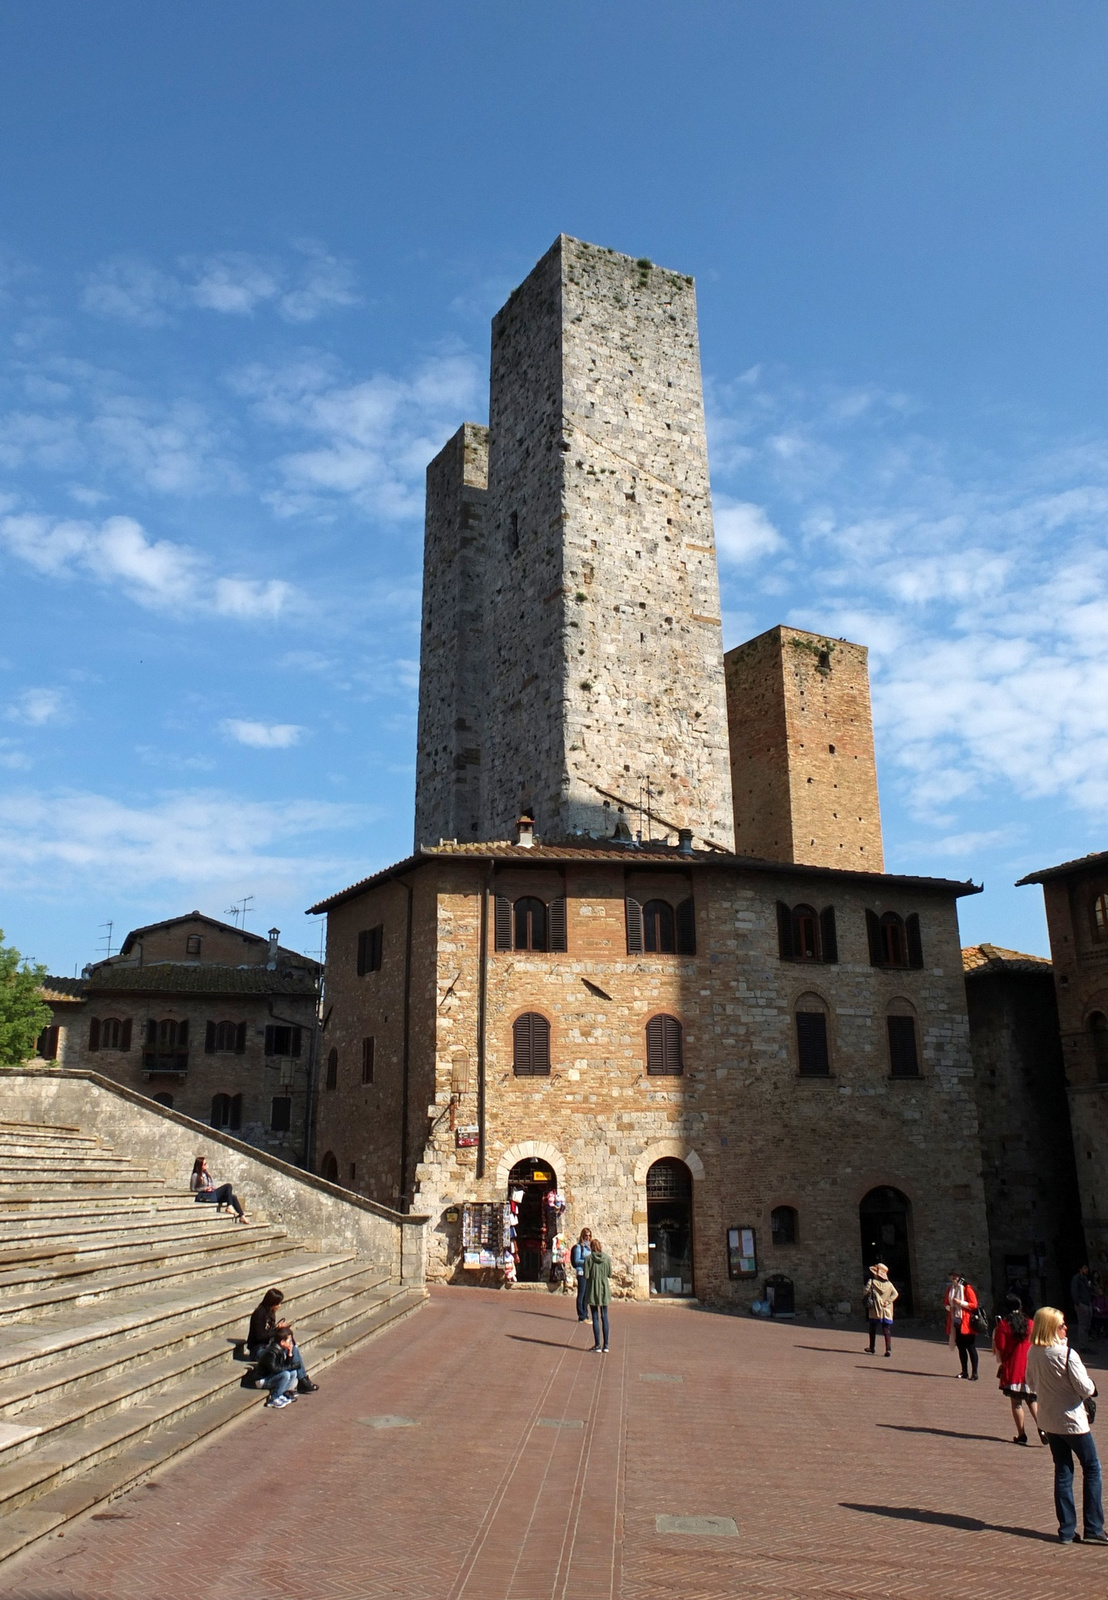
(803, 770)
(232, 1069)
(1031, 1194)
(600, 683)
(753, 1132)
(1076, 897)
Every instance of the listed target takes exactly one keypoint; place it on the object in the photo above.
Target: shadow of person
(942, 1433)
(948, 1519)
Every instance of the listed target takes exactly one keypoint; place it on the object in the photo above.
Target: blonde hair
(1044, 1329)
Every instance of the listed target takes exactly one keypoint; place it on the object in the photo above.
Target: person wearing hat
(879, 1297)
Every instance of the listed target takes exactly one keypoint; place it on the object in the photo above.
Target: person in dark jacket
(276, 1369)
(598, 1275)
(263, 1322)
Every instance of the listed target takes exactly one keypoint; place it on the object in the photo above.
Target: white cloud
(744, 533)
(36, 707)
(204, 841)
(230, 283)
(158, 574)
(262, 735)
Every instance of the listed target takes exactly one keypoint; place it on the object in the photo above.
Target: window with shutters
(659, 933)
(664, 1053)
(783, 1225)
(1099, 911)
(803, 934)
(280, 1120)
(529, 923)
(332, 1079)
(1098, 1031)
(282, 1041)
(370, 947)
(221, 1110)
(813, 1057)
(894, 941)
(659, 928)
(531, 1046)
(225, 1037)
(367, 1060)
(903, 1051)
(115, 1033)
(166, 1046)
(47, 1047)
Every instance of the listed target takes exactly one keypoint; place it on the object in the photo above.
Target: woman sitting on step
(205, 1188)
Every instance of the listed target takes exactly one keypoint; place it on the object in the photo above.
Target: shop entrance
(669, 1227)
(886, 1218)
(537, 1223)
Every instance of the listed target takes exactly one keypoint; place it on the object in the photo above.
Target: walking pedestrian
(1011, 1343)
(878, 1297)
(577, 1261)
(1058, 1376)
(1081, 1293)
(205, 1188)
(598, 1275)
(961, 1304)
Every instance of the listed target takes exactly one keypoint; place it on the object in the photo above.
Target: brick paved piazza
(534, 1470)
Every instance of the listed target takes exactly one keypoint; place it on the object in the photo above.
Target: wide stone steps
(120, 1301)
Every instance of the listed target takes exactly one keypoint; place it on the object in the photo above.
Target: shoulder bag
(1090, 1403)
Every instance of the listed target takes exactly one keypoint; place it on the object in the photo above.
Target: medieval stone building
(644, 959)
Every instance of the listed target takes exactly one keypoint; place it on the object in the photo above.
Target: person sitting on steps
(263, 1323)
(276, 1369)
(205, 1188)
(304, 1384)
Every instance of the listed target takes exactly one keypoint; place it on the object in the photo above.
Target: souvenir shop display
(487, 1236)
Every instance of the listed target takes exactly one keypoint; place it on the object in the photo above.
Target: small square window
(193, 943)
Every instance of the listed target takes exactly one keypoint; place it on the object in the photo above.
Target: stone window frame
(796, 1010)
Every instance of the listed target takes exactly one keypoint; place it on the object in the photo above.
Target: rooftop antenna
(240, 910)
(106, 938)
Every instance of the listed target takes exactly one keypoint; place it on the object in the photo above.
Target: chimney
(271, 956)
(622, 832)
(526, 833)
(684, 842)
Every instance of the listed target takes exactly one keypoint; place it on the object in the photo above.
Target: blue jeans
(1063, 1447)
(224, 1195)
(582, 1298)
(279, 1383)
(298, 1370)
(599, 1315)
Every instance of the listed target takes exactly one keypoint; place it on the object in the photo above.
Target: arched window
(329, 1167)
(164, 1100)
(111, 1032)
(221, 1110)
(1100, 918)
(171, 1035)
(332, 1079)
(658, 933)
(167, 1043)
(805, 934)
(900, 1026)
(531, 1046)
(813, 1057)
(225, 1035)
(529, 923)
(782, 1225)
(529, 916)
(894, 946)
(1098, 1027)
(664, 1055)
(894, 941)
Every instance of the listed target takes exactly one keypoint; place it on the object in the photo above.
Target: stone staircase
(119, 1301)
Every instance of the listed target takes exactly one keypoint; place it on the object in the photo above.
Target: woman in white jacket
(1057, 1375)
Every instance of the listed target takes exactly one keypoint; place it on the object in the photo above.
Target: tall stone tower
(803, 772)
(583, 574)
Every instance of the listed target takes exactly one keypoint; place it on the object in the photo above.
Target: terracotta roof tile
(169, 977)
(58, 989)
(994, 958)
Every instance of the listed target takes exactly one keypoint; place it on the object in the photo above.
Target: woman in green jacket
(598, 1276)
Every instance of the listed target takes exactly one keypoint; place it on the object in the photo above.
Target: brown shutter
(811, 1043)
(784, 931)
(240, 1039)
(363, 939)
(209, 1039)
(915, 943)
(686, 927)
(183, 1035)
(873, 932)
(531, 1046)
(829, 943)
(94, 1033)
(903, 1056)
(634, 927)
(671, 1035)
(236, 1112)
(655, 1047)
(557, 922)
(540, 1044)
(503, 921)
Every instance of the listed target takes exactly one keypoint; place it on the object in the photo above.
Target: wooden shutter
(377, 945)
(296, 1033)
(183, 1035)
(240, 1039)
(829, 943)
(663, 1048)
(236, 1112)
(557, 923)
(873, 933)
(94, 1033)
(531, 1046)
(784, 931)
(811, 1044)
(634, 927)
(503, 922)
(363, 942)
(903, 1055)
(47, 1047)
(915, 943)
(209, 1039)
(686, 927)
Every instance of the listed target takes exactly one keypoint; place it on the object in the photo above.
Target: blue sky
(248, 255)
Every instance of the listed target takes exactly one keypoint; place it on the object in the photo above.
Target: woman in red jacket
(1011, 1342)
(961, 1303)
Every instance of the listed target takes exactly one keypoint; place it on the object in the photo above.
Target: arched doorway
(532, 1180)
(886, 1221)
(669, 1227)
(329, 1167)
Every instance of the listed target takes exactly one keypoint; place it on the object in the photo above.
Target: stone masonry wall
(803, 771)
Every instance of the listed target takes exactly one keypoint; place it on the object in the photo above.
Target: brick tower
(582, 575)
(803, 772)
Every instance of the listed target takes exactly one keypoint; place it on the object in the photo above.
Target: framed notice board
(742, 1253)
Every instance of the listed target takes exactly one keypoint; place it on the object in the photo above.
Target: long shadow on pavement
(948, 1519)
(943, 1433)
